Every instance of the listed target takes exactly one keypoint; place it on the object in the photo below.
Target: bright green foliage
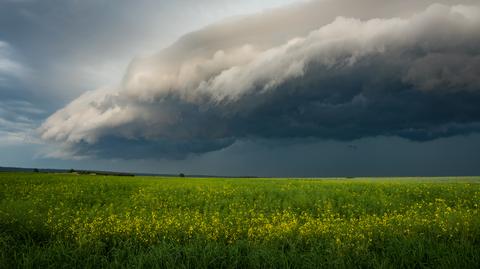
(80, 221)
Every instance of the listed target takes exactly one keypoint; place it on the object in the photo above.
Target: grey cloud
(10, 68)
(448, 71)
(18, 118)
(408, 69)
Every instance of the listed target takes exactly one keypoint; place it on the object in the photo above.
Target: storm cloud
(319, 69)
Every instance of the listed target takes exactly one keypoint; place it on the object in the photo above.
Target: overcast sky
(266, 88)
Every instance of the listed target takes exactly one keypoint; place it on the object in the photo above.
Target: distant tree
(181, 175)
(71, 170)
(36, 170)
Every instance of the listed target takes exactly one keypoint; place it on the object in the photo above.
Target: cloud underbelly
(415, 77)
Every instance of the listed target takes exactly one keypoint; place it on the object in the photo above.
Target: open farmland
(82, 221)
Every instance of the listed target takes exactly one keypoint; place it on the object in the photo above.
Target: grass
(82, 221)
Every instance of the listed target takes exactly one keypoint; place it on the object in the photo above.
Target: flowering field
(63, 220)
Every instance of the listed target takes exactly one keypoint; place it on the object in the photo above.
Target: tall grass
(53, 220)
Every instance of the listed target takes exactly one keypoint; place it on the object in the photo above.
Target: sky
(285, 88)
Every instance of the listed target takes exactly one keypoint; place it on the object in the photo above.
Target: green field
(82, 221)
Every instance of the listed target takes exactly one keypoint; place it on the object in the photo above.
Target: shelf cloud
(321, 69)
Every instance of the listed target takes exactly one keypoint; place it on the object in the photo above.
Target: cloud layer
(413, 74)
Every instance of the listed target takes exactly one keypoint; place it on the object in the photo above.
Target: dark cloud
(145, 149)
(415, 77)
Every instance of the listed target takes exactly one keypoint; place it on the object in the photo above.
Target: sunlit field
(82, 221)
